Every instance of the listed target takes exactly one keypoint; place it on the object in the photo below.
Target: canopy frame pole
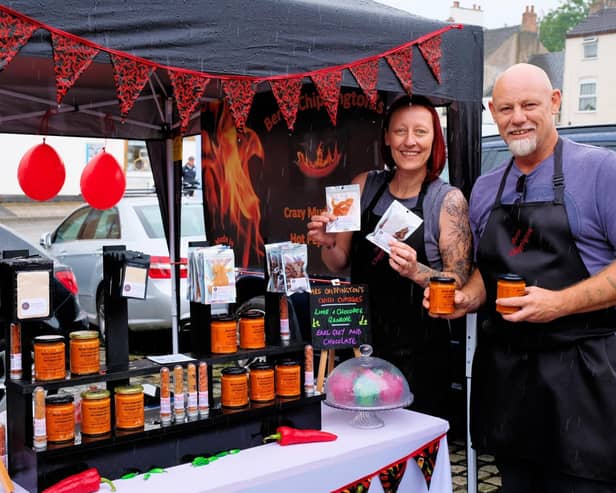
(471, 453)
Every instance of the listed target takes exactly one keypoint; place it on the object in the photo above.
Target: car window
(10, 241)
(151, 219)
(108, 225)
(69, 229)
(491, 158)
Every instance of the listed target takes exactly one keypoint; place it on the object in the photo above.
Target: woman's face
(410, 136)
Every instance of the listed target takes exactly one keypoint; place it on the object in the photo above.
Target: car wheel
(256, 303)
(100, 313)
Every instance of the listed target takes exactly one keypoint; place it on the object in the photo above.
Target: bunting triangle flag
(187, 89)
(239, 94)
(70, 59)
(367, 75)
(130, 77)
(14, 34)
(362, 486)
(431, 51)
(400, 62)
(287, 92)
(426, 460)
(391, 477)
(328, 86)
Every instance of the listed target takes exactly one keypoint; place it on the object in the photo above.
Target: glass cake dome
(365, 385)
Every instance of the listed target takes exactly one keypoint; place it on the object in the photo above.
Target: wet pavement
(488, 477)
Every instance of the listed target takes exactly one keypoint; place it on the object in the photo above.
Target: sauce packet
(273, 260)
(294, 268)
(398, 223)
(343, 201)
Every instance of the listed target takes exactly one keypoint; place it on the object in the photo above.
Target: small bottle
(84, 352)
(95, 412)
(288, 379)
(234, 387)
(204, 395)
(16, 371)
(508, 286)
(285, 332)
(252, 331)
(223, 335)
(3, 445)
(262, 388)
(49, 358)
(192, 406)
(129, 407)
(40, 431)
(165, 396)
(60, 418)
(178, 394)
(442, 293)
(308, 370)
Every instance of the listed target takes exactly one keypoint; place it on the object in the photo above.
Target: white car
(136, 223)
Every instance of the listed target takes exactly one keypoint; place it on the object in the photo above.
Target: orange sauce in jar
(442, 291)
(60, 418)
(252, 331)
(95, 412)
(288, 379)
(223, 335)
(84, 352)
(262, 387)
(234, 387)
(508, 286)
(129, 407)
(49, 358)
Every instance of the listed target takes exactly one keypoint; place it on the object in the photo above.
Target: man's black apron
(402, 331)
(546, 392)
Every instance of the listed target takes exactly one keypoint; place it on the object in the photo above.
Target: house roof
(601, 22)
(494, 38)
(553, 64)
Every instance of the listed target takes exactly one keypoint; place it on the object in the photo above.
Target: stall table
(317, 467)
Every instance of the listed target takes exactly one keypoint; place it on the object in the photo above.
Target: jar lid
(233, 370)
(95, 394)
(511, 277)
(48, 339)
(59, 399)
(129, 389)
(84, 334)
(443, 279)
(261, 366)
(287, 362)
(223, 318)
(252, 314)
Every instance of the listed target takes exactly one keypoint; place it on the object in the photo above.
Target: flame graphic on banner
(324, 163)
(230, 195)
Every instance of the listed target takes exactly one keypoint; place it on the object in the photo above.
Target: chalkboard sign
(339, 316)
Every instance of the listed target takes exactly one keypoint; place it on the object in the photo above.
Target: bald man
(543, 399)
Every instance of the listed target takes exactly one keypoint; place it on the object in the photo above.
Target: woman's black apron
(402, 331)
(546, 392)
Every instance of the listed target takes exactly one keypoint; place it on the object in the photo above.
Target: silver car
(135, 222)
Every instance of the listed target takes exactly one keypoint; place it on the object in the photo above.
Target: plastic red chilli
(87, 481)
(285, 435)
(41, 172)
(102, 181)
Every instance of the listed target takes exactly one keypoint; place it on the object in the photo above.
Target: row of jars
(226, 337)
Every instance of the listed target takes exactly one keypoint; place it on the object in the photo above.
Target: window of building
(590, 46)
(588, 95)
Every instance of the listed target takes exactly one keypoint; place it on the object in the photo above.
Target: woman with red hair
(413, 151)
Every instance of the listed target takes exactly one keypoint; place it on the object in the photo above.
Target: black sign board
(339, 316)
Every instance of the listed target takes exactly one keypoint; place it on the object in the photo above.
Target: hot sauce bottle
(165, 396)
(192, 408)
(508, 286)
(178, 394)
(204, 398)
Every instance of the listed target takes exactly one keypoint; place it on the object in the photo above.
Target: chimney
(529, 20)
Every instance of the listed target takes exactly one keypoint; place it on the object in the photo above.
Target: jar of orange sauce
(129, 407)
(234, 387)
(508, 286)
(252, 331)
(442, 292)
(95, 412)
(84, 352)
(288, 378)
(262, 388)
(223, 335)
(60, 418)
(49, 357)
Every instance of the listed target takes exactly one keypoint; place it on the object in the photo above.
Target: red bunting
(400, 62)
(287, 92)
(70, 60)
(328, 86)
(130, 77)
(431, 51)
(188, 90)
(14, 33)
(426, 460)
(391, 477)
(239, 94)
(367, 75)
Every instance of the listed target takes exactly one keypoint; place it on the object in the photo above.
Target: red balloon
(102, 181)
(41, 172)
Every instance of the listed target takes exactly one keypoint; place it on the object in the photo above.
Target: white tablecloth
(315, 467)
